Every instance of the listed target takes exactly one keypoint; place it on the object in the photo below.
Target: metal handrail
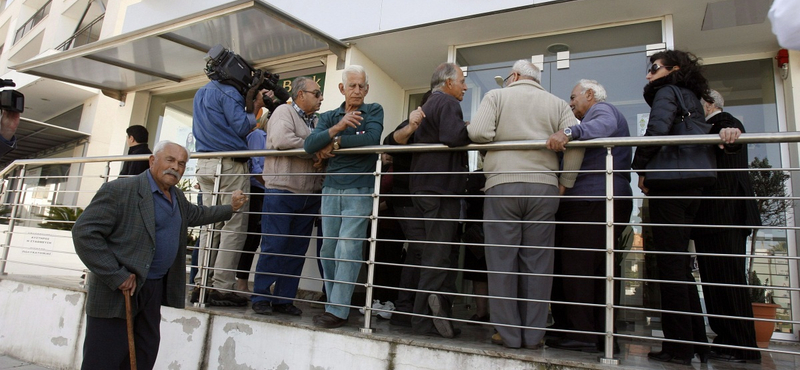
(783, 137)
(67, 44)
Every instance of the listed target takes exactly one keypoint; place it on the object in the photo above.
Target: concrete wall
(45, 326)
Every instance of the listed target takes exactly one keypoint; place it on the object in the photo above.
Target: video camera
(11, 100)
(229, 68)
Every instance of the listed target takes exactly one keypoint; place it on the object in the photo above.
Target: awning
(35, 139)
(174, 51)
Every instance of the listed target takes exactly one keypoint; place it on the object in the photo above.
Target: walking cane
(129, 320)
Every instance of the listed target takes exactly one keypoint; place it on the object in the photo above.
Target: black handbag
(683, 157)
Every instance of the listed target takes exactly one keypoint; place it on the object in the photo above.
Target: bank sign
(318, 77)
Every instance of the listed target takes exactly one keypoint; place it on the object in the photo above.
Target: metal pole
(206, 247)
(373, 237)
(12, 220)
(608, 354)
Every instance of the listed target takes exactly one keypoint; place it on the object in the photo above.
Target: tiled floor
(8, 363)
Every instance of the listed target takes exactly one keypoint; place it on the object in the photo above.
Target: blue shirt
(602, 120)
(168, 230)
(369, 133)
(219, 122)
(256, 140)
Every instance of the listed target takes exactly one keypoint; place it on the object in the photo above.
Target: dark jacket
(723, 211)
(443, 124)
(401, 165)
(664, 108)
(132, 168)
(115, 237)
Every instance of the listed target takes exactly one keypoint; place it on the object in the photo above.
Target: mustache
(171, 172)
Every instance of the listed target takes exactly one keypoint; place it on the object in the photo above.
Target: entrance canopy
(174, 51)
(34, 137)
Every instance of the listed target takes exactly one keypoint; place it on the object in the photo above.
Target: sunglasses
(316, 93)
(655, 67)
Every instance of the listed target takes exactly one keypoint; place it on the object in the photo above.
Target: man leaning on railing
(354, 124)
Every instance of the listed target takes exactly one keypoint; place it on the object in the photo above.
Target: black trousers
(432, 206)
(728, 301)
(106, 343)
(414, 231)
(591, 262)
(677, 267)
(253, 240)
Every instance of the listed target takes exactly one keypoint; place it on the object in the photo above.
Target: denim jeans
(347, 227)
(285, 233)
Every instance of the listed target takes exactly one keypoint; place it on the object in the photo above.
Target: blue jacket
(220, 122)
(602, 120)
(256, 140)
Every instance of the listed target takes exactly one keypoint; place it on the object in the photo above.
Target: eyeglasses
(655, 67)
(505, 80)
(316, 93)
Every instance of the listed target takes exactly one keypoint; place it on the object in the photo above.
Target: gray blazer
(115, 236)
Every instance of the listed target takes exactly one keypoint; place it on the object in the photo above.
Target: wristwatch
(568, 132)
(336, 142)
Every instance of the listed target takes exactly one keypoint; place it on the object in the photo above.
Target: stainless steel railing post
(608, 354)
(12, 220)
(206, 248)
(373, 237)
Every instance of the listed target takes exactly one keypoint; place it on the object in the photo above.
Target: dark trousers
(106, 343)
(387, 252)
(677, 267)
(590, 262)
(287, 224)
(253, 233)
(728, 301)
(414, 231)
(432, 206)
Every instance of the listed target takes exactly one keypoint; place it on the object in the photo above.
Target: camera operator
(8, 127)
(223, 116)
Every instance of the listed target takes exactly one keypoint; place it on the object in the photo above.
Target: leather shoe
(572, 345)
(262, 308)
(217, 298)
(400, 320)
(668, 357)
(443, 326)
(287, 308)
(497, 339)
(328, 320)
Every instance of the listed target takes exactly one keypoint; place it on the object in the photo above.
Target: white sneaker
(389, 306)
(376, 304)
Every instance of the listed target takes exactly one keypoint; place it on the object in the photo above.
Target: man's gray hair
(298, 85)
(527, 69)
(599, 90)
(719, 102)
(354, 69)
(163, 144)
(442, 73)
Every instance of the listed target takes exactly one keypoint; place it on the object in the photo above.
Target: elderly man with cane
(132, 237)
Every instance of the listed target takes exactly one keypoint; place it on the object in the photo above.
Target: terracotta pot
(764, 329)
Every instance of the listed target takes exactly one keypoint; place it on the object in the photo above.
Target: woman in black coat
(681, 69)
(721, 209)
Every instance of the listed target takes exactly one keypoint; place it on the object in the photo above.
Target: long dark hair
(690, 73)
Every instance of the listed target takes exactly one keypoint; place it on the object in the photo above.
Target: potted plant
(764, 307)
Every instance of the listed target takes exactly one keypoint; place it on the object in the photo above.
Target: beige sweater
(286, 130)
(524, 111)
